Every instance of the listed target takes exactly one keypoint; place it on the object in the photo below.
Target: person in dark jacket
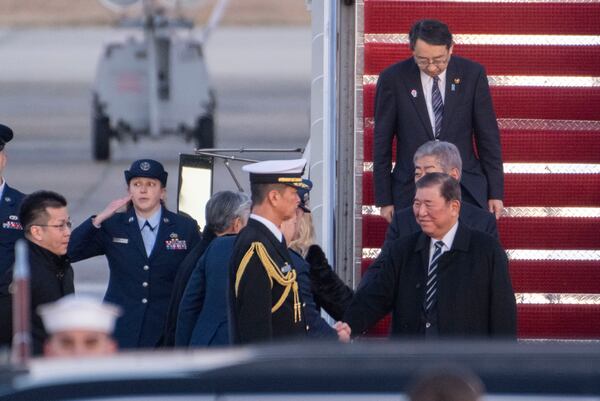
(447, 281)
(435, 95)
(202, 318)
(431, 157)
(300, 235)
(144, 246)
(181, 280)
(47, 227)
(11, 228)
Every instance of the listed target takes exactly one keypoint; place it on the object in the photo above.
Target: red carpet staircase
(543, 63)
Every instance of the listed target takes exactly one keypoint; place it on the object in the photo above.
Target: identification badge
(121, 240)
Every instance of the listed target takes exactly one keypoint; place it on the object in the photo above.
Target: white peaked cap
(77, 312)
(287, 172)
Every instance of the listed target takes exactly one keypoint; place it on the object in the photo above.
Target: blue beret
(147, 168)
(6, 134)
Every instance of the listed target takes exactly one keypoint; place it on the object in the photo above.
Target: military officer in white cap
(144, 246)
(264, 300)
(79, 326)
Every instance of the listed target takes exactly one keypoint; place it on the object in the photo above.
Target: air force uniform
(265, 302)
(10, 226)
(139, 283)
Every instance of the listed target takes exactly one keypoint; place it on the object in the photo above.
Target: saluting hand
(343, 331)
(111, 209)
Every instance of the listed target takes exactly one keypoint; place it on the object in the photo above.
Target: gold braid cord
(288, 281)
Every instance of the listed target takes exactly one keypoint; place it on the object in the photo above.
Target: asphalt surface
(262, 81)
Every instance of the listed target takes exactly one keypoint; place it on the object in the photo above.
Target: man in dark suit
(432, 157)
(144, 246)
(264, 299)
(10, 229)
(447, 281)
(439, 157)
(47, 225)
(435, 95)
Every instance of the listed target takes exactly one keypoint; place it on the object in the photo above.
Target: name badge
(121, 240)
(175, 244)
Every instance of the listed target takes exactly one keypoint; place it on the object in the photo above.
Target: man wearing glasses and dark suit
(435, 95)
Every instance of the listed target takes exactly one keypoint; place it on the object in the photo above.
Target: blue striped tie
(431, 288)
(438, 106)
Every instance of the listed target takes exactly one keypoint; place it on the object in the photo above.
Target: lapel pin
(453, 87)
(413, 93)
(456, 81)
(130, 219)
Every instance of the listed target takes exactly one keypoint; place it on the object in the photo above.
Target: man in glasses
(47, 227)
(435, 95)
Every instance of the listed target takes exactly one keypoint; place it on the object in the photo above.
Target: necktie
(431, 288)
(438, 106)
(148, 237)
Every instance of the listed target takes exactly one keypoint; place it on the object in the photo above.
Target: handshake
(343, 331)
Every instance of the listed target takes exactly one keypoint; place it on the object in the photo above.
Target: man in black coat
(10, 229)
(435, 95)
(432, 157)
(264, 299)
(45, 217)
(447, 281)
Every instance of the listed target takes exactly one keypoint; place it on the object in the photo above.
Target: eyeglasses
(61, 227)
(423, 62)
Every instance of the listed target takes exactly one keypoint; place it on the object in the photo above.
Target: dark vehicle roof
(551, 369)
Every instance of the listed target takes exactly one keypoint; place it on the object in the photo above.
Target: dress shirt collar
(448, 240)
(269, 224)
(154, 220)
(427, 80)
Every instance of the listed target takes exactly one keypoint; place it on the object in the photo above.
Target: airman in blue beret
(144, 246)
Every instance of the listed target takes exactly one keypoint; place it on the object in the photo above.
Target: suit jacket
(334, 295)
(474, 292)
(141, 285)
(316, 326)
(250, 307)
(202, 319)
(401, 112)
(10, 227)
(181, 281)
(51, 278)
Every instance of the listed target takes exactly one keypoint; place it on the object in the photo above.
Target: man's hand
(496, 206)
(387, 212)
(343, 331)
(110, 210)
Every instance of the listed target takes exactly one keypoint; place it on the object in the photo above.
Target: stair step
(383, 16)
(533, 146)
(551, 190)
(499, 59)
(529, 102)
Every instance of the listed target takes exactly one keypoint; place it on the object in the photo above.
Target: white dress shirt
(269, 224)
(448, 239)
